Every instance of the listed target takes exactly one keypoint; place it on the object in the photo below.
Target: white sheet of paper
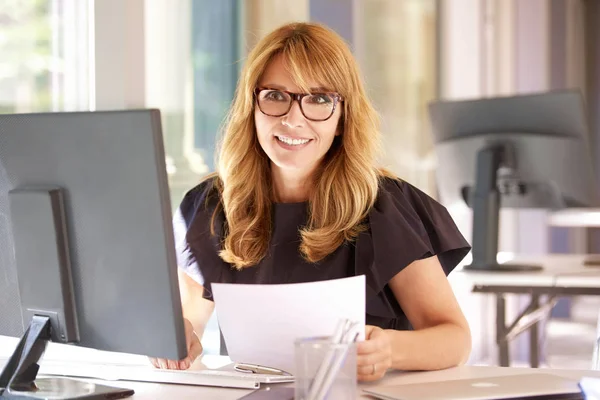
(261, 322)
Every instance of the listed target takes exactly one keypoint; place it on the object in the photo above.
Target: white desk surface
(153, 391)
(575, 217)
(558, 270)
(144, 390)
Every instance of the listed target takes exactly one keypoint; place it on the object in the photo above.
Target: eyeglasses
(314, 106)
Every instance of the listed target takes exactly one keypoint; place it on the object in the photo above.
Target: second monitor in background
(528, 151)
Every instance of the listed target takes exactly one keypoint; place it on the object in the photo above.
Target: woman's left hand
(374, 355)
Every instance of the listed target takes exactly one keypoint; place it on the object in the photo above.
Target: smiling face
(293, 142)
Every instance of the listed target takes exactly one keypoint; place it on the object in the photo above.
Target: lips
(291, 140)
(291, 137)
(297, 145)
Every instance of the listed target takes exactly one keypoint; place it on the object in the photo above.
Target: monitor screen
(86, 236)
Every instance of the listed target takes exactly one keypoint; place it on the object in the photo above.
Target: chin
(293, 164)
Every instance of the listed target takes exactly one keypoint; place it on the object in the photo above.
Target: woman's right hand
(194, 349)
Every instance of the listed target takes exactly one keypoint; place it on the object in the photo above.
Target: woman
(298, 198)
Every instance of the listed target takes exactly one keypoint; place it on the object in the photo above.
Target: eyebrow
(312, 89)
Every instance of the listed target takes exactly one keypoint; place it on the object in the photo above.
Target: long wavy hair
(346, 185)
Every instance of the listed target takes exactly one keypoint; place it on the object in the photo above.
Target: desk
(563, 275)
(148, 391)
(578, 218)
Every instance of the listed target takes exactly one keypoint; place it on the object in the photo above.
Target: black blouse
(404, 225)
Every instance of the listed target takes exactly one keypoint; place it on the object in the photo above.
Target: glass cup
(324, 370)
(596, 353)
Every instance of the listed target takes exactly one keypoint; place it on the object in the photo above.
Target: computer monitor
(527, 151)
(87, 253)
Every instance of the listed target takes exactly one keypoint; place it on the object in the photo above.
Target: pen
(341, 328)
(258, 369)
(350, 337)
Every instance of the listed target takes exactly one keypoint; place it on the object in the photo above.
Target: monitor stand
(18, 379)
(485, 201)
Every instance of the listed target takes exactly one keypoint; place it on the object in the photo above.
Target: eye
(320, 98)
(274, 95)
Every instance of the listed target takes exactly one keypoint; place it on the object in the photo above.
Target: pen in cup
(349, 338)
(341, 327)
(335, 356)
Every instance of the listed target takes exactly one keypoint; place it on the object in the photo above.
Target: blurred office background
(183, 56)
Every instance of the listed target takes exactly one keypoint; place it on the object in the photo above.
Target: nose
(294, 118)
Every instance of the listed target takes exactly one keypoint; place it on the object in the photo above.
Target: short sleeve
(197, 249)
(182, 219)
(405, 225)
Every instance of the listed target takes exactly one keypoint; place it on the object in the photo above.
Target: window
(44, 63)
(397, 53)
(191, 72)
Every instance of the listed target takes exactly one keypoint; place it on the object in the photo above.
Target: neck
(290, 186)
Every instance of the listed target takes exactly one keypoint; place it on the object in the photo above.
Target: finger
(370, 359)
(162, 363)
(366, 347)
(370, 378)
(377, 334)
(154, 362)
(369, 331)
(365, 374)
(185, 363)
(365, 370)
(172, 364)
(377, 341)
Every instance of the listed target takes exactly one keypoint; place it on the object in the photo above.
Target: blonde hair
(346, 185)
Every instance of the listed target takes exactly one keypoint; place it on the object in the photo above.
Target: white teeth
(292, 142)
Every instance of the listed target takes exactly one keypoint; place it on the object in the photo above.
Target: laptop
(524, 386)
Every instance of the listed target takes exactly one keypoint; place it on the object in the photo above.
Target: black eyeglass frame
(337, 98)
